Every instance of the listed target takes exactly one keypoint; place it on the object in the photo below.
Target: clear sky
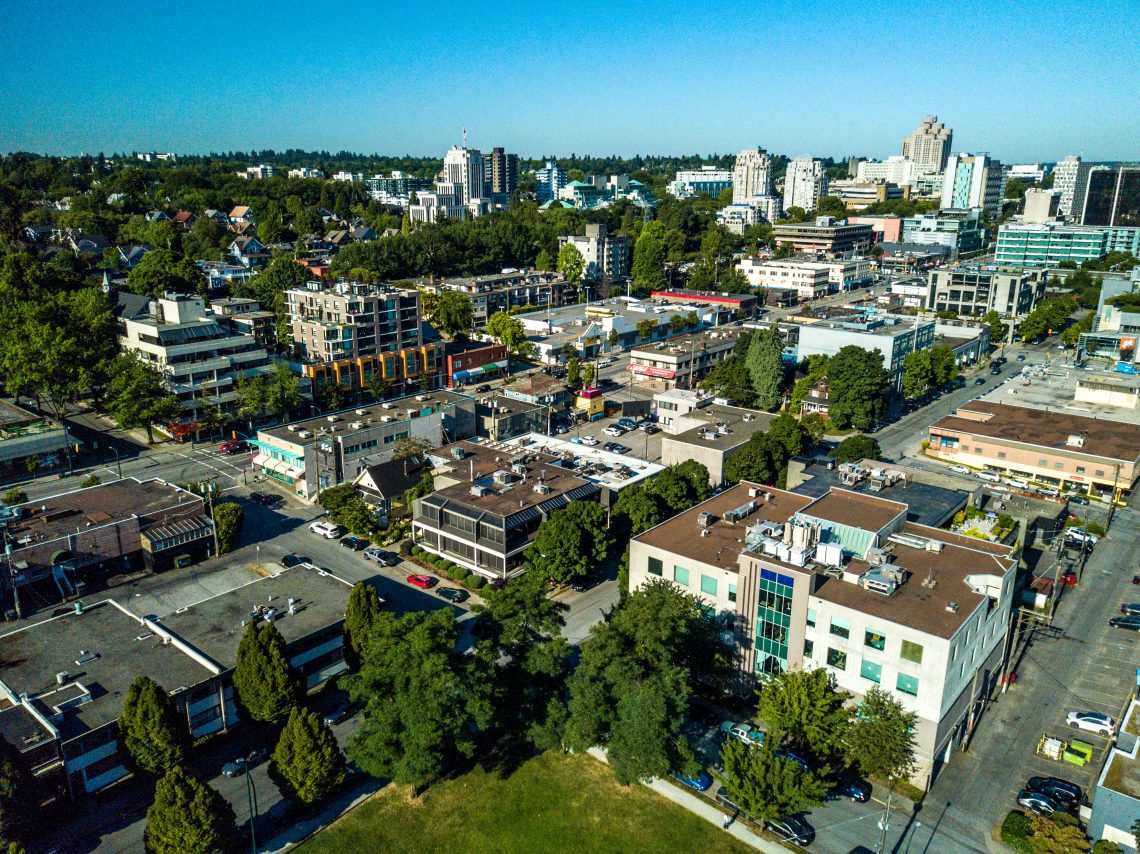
(1020, 80)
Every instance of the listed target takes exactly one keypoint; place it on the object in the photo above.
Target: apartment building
(751, 175)
(549, 182)
(1112, 196)
(929, 146)
(805, 183)
(200, 360)
(606, 255)
(500, 172)
(708, 181)
(826, 234)
(808, 281)
(1095, 456)
(1048, 244)
(973, 181)
(893, 337)
(503, 291)
(1070, 179)
(844, 582)
(709, 434)
(975, 289)
(960, 230)
(680, 362)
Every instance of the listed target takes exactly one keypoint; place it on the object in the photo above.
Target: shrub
(477, 582)
(1015, 832)
(15, 496)
(417, 551)
(463, 576)
(90, 480)
(406, 548)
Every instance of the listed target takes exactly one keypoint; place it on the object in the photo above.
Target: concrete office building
(550, 181)
(1046, 245)
(713, 434)
(463, 170)
(975, 289)
(1114, 332)
(500, 172)
(1116, 798)
(894, 170)
(26, 436)
(606, 255)
(959, 230)
(845, 582)
(708, 181)
(751, 175)
(683, 361)
(825, 235)
(809, 281)
(1070, 179)
(973, 181)
(805, 183)
(929, 146)
(1030, 173)
(1112, 197)
(1041, 206)
(893, 337)
(444, 202)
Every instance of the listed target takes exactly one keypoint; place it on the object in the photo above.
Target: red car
(424, 582)
(1069, 578)
(233, 446)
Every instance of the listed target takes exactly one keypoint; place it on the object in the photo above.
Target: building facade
(959, 230)
(1112, 197)
(680, 362)
(1046, 245)
(708, 181)
(463, 170)
(504, 291)
(974, 289)
(809, 281)
(973, 181)
(805, 183)
(826, 234)
(549, 180)
(929, 146)
(751, 175)
(1070, 179)
(500, 172)
(606, 255)
(892, 337)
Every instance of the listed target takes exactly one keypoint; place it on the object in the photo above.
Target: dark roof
(926, 504)
(1115, 440)
(856, 510)
(394, 477)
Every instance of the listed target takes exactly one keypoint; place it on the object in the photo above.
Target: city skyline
(411, 86)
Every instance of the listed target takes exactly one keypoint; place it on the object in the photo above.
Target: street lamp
(251, 796)
(118, 461)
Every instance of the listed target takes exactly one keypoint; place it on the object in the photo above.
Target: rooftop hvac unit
(502, 476)
(874, 581)
(458, 453)
(742, 512)
(705, 518)
(1075, 440)
(384, 419)
(362, 412)
(934, 546)
(304, 434)
(518, 468)
(541, 488)
(292, 428)
(479, 491)
(357, 425)
(332, 419)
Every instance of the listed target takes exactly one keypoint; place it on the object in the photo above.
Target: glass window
(809, 647)
(1001, 455)
(811, 617)
(907, 684)
(732, 593)
(1080, 469)
(836, 659)
(874, 640)
(708, 585)
(681, 575)
(870, 670)
(654, 566)
(840, 628)
(911, 651)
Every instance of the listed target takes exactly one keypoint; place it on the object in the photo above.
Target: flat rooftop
(470, 465)
(1053, 388)
(739, 425)
(855, 509)
(593, 463)
(215, 625)
(1114, 440)
(101, 651)
(12, 415)
(683, 345)
(373, 415)
(153, 501)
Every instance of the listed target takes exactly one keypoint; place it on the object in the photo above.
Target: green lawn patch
(550, 803)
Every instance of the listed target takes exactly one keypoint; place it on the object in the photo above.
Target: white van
(988, 475)
(1018, 483)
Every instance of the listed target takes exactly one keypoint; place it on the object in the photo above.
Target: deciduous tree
(857, 387)
(880, 737)
(454, 314)
(136, 396)
(228, 517)
(766, 367)
(855, 448)
(802, 707)
(766, 786)
(17, 803)
(570, 263)
(570, 542)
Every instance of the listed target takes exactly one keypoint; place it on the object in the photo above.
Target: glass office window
(874, 640)
(681, 575)
(907, 684)
(911, 652)
(870, 670)
(837, 659)
(708, 585)
(840, 628)
(654, 566)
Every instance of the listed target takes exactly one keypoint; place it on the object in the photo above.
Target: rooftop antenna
(465, 137)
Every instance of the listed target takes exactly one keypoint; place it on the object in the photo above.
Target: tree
(649, 251)
(267, 687)
(880, 737)
(855, 448)
(571, 264)
(307, 763)
(282, 391)
(765, 786)
(152, 733)
(161, 272)
(766, 367)
(676, 323)
(729, 378)
(228, 517)
(422, 699)
(588, 371)
(1053, 836)
(188, 817)
(635, 512)
(15, 496)
(454, 314)
(918, 374)
(507, 330)
(997, 328)
(613, 338)
(136, 396)
(678, 487)
(800, 706)
(815, 425)
(569, 543)
(269, 286)
(784, 250)
(17, 803)
(857, 386)
(270, 225)
(943, 364)
(790, 434)
(759, 460)
(645, 329)
(360, 615)
(814, 369)
(573, 372)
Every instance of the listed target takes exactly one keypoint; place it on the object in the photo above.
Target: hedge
(477, 583)
(1015, 832)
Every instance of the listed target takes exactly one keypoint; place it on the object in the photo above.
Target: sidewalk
(702, 808)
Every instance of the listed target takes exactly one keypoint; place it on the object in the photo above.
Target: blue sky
(1023, 81)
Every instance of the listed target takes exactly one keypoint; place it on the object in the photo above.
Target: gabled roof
(387, 480)
(184, 216)
(240, 212)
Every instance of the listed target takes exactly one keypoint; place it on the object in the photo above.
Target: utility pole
(208, 493)
(12, 578)
(1112, 497)
(884, 823)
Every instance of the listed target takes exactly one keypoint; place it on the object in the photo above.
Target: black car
(340, 714)
(290, 560)
(792, 829)
(853, 788)
(357, 544)
(621, 449)
(265, 499)
(650, 428)
(585, 582)
(479, 389)
(1059, 790)
(980, 381)
(452, 594)
(609, 446)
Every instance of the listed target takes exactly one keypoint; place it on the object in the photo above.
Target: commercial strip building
(199, 359)
(893, 337)
(683, 361)
(314, 454)
(59, 543)
(810, 278)
(26, 436)
(491, 497)
(972, 290)
(1048, 244)
(1091, 455)
(733, 306)
(67, 677)
(845, 582)
(825, 235)
(472, 362)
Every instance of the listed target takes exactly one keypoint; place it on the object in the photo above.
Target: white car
(959, 469)
(605, 363)
(1080, 535)
(614, 431)
(589, 440)
(1092, 722)
(327, 530)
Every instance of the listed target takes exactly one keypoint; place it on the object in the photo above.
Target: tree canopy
(880, 737)
(137, 397)
(857, 386)
(801, 707)
(267, 687)
(570, 542)
(153, 735)
(307, 763)
(188, 817)
(453, 313)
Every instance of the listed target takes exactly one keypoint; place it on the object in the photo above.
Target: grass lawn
(550, 803)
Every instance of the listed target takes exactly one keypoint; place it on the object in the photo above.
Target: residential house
(383, 485)
(249, 252)
(157, 216)
(240, 215)
(132, 254)
(184, 221)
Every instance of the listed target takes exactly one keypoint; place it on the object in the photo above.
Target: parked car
(589, 440)
(853, 788)
(980, 381)
(742, 732)
(1092, 722)
(1078, 499)
(453, 594)
(479, 389)
(1069, 578)
(327, 530)
(357, 544)
(1048, 492)
(959, 469)
(381, 556)
(1036, 802)
(650, 428)
(291, 560)
(1056, 788)
(243, 763)
(424, 582)
(609, 446)
(793, 756)
(627, 423)
(1132, 610)
(1080, 535)
(1021, 357)
(792, 829)
(701, 782)
(340, 714)
(621, 449)
(614, 431)
(1130, 623)
(605, 363)
(266, 499)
